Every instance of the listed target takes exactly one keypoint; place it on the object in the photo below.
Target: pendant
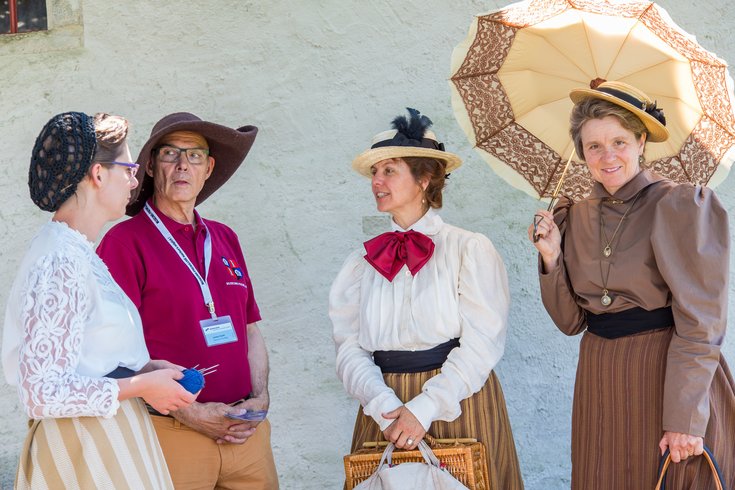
(605, 300)
(607, 251)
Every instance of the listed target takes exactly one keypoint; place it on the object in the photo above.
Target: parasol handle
(537, 218)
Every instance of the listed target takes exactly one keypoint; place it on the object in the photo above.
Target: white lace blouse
(462, 291)
(67, 324)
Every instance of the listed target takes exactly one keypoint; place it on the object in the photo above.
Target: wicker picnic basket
(464, 458)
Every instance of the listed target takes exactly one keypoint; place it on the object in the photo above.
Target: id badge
(218, 331)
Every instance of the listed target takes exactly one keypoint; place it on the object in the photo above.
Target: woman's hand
(406, 431)
(549, 237)
(681, 446)
(158, 388)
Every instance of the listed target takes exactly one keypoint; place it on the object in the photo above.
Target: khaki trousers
(197, 462)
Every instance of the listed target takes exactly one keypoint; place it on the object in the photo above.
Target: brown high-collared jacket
(672, 250)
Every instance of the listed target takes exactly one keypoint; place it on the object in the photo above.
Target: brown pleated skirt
(484, 417)
(617, 417)
(118, 453)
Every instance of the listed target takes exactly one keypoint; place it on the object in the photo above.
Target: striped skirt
(121, 452)
(484, 417)
(617, 417)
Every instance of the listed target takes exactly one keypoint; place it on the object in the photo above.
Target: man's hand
(209, 419)
(250, 405)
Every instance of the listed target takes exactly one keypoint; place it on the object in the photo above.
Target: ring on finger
(409, 441)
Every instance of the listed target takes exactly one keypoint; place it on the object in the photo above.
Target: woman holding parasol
(641, 265)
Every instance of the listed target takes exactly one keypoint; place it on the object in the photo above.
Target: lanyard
(202, 281)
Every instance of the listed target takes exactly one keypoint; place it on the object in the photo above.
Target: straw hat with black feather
(227, 146)
(408, 138)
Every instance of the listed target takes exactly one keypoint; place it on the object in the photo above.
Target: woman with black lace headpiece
(642, 266)
(419, 314)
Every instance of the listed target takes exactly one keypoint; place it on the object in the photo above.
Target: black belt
(120, 373)
(153, 411)
(629, 322)
(419, 361)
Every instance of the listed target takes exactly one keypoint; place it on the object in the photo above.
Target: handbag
(464, 459)
(429, 475)
(666, 460)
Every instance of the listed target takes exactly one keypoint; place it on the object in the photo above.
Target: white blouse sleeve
(57, 303)
(484, 302)
(355, 367)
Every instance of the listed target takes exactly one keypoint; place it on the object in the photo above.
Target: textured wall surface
(319, 78)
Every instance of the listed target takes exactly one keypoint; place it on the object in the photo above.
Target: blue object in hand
(192, 381)
(250, 415)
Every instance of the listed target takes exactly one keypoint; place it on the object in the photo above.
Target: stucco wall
(319, 78)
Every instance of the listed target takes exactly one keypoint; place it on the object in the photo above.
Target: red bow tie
(389, 251)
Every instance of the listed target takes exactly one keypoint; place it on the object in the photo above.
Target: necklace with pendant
(608, 250)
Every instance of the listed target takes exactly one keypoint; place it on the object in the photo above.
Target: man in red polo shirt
(188, 278)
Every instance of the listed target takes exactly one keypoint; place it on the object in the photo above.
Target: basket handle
(430, 440)
(455, 440)
(666, 460)
(378, 443)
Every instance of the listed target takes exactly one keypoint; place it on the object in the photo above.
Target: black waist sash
(419, 361)
(629, 322)
(120, 373)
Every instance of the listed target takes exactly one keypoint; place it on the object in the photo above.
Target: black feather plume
(657, 113)
(413, 128)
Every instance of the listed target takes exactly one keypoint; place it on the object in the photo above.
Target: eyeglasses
(171, 154)
(131, 170)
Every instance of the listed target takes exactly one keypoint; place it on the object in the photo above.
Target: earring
(641, 160)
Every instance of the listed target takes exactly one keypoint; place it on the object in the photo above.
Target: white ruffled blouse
(461, 292)
(67, 324)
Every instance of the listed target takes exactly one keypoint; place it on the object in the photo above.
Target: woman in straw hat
(70, 331)
(419, 313)
(642, 266)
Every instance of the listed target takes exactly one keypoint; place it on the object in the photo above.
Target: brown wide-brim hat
(227, 146)
(628, 97)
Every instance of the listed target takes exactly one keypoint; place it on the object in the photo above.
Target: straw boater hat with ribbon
(408, 138)
(627, 97)
(227, 146)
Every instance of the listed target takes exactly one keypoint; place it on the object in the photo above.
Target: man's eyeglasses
(171, 154)
(131, 168)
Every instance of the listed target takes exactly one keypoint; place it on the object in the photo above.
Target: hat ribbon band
(649, 109)
(623, 96)
(401, 140)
